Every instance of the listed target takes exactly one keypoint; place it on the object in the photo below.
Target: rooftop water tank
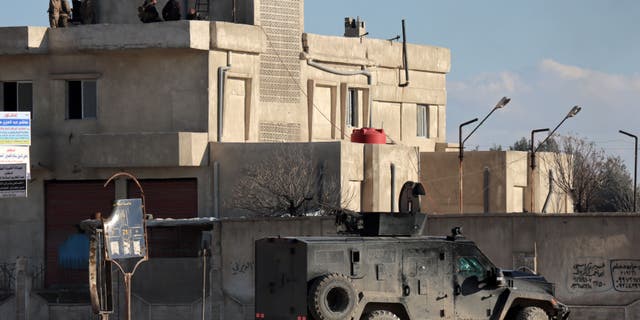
(369, 135)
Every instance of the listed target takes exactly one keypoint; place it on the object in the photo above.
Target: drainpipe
(393, 187)
(363, 72)
(222, 72)
(216, 187)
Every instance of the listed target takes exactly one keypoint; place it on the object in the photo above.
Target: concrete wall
(363, 171)
(591, 258)
(493, 181)
(235, 279)
(583, 255)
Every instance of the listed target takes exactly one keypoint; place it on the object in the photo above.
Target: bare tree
(287, 181)
(579, 168)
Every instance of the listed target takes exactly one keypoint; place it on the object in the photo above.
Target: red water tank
(369, 135)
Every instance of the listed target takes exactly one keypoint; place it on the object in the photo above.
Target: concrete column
(216, 296)
(21, 288)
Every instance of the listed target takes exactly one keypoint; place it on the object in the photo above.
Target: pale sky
(546, 55)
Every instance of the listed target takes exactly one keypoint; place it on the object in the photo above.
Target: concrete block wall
(591, 258)
(567, 250)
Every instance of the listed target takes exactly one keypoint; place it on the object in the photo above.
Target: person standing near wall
(87, 12)
(54, 12)
(59, 11)
(171, 11)
(65, 13)
(193, 14)
(148, 12)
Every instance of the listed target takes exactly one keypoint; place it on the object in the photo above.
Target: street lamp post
(503, 102)
(572, 113)
(635, 168)
(533, 165)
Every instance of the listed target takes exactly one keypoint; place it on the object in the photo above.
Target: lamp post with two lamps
(503, 102)
(572, 113)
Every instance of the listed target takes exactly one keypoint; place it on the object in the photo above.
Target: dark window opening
(81, 99)
(352, 108)
(17, 96)
(422, 121)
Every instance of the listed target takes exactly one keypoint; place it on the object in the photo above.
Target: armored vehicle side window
(470, 266)
(471, 262)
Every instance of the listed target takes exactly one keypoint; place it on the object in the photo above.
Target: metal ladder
(202, 8)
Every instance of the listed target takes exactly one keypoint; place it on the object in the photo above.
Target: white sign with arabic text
(13, 180)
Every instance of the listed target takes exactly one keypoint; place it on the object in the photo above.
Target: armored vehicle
(389, 272)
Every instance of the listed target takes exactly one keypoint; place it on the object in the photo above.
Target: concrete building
(493, 181)
(184, 106)
(187, 106)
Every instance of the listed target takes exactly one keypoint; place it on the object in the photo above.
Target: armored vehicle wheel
(332, 297)
(532, 313)
(382, 315)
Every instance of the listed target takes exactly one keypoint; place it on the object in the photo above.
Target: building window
(352, 108)
(17, 96)
(422, 121)
(82, 99)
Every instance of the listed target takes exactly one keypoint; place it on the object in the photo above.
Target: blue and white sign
(15, 128)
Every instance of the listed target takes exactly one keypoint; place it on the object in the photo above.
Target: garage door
(67, 203)
(172, 198)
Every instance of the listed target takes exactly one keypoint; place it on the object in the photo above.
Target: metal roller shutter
(171, 198)
(67, 203)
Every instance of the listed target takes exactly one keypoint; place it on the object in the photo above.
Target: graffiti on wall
(626, 275)
(599, 274)
(241, 267)
(589, 274)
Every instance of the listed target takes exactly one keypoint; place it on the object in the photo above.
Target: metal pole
(533, 167)
(405, 61)
(635, 168)
(461, 156)
(204, 281)
(127, 292)
(572, 113)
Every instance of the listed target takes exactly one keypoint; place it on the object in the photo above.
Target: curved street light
(635, 168)
(572, 113)
(503, 102)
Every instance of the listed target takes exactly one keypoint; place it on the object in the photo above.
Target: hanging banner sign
(15, 154)
(13, 180)
(15, 128)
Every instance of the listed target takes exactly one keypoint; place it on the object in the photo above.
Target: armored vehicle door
(475, 295)
(426, 282)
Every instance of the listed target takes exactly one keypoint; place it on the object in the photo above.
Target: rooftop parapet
(377, 52)
(21, 40)
(184, 34)
(174, 35)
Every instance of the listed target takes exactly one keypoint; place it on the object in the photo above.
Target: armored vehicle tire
(382, 315)
(332, 297)
(532, 313)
